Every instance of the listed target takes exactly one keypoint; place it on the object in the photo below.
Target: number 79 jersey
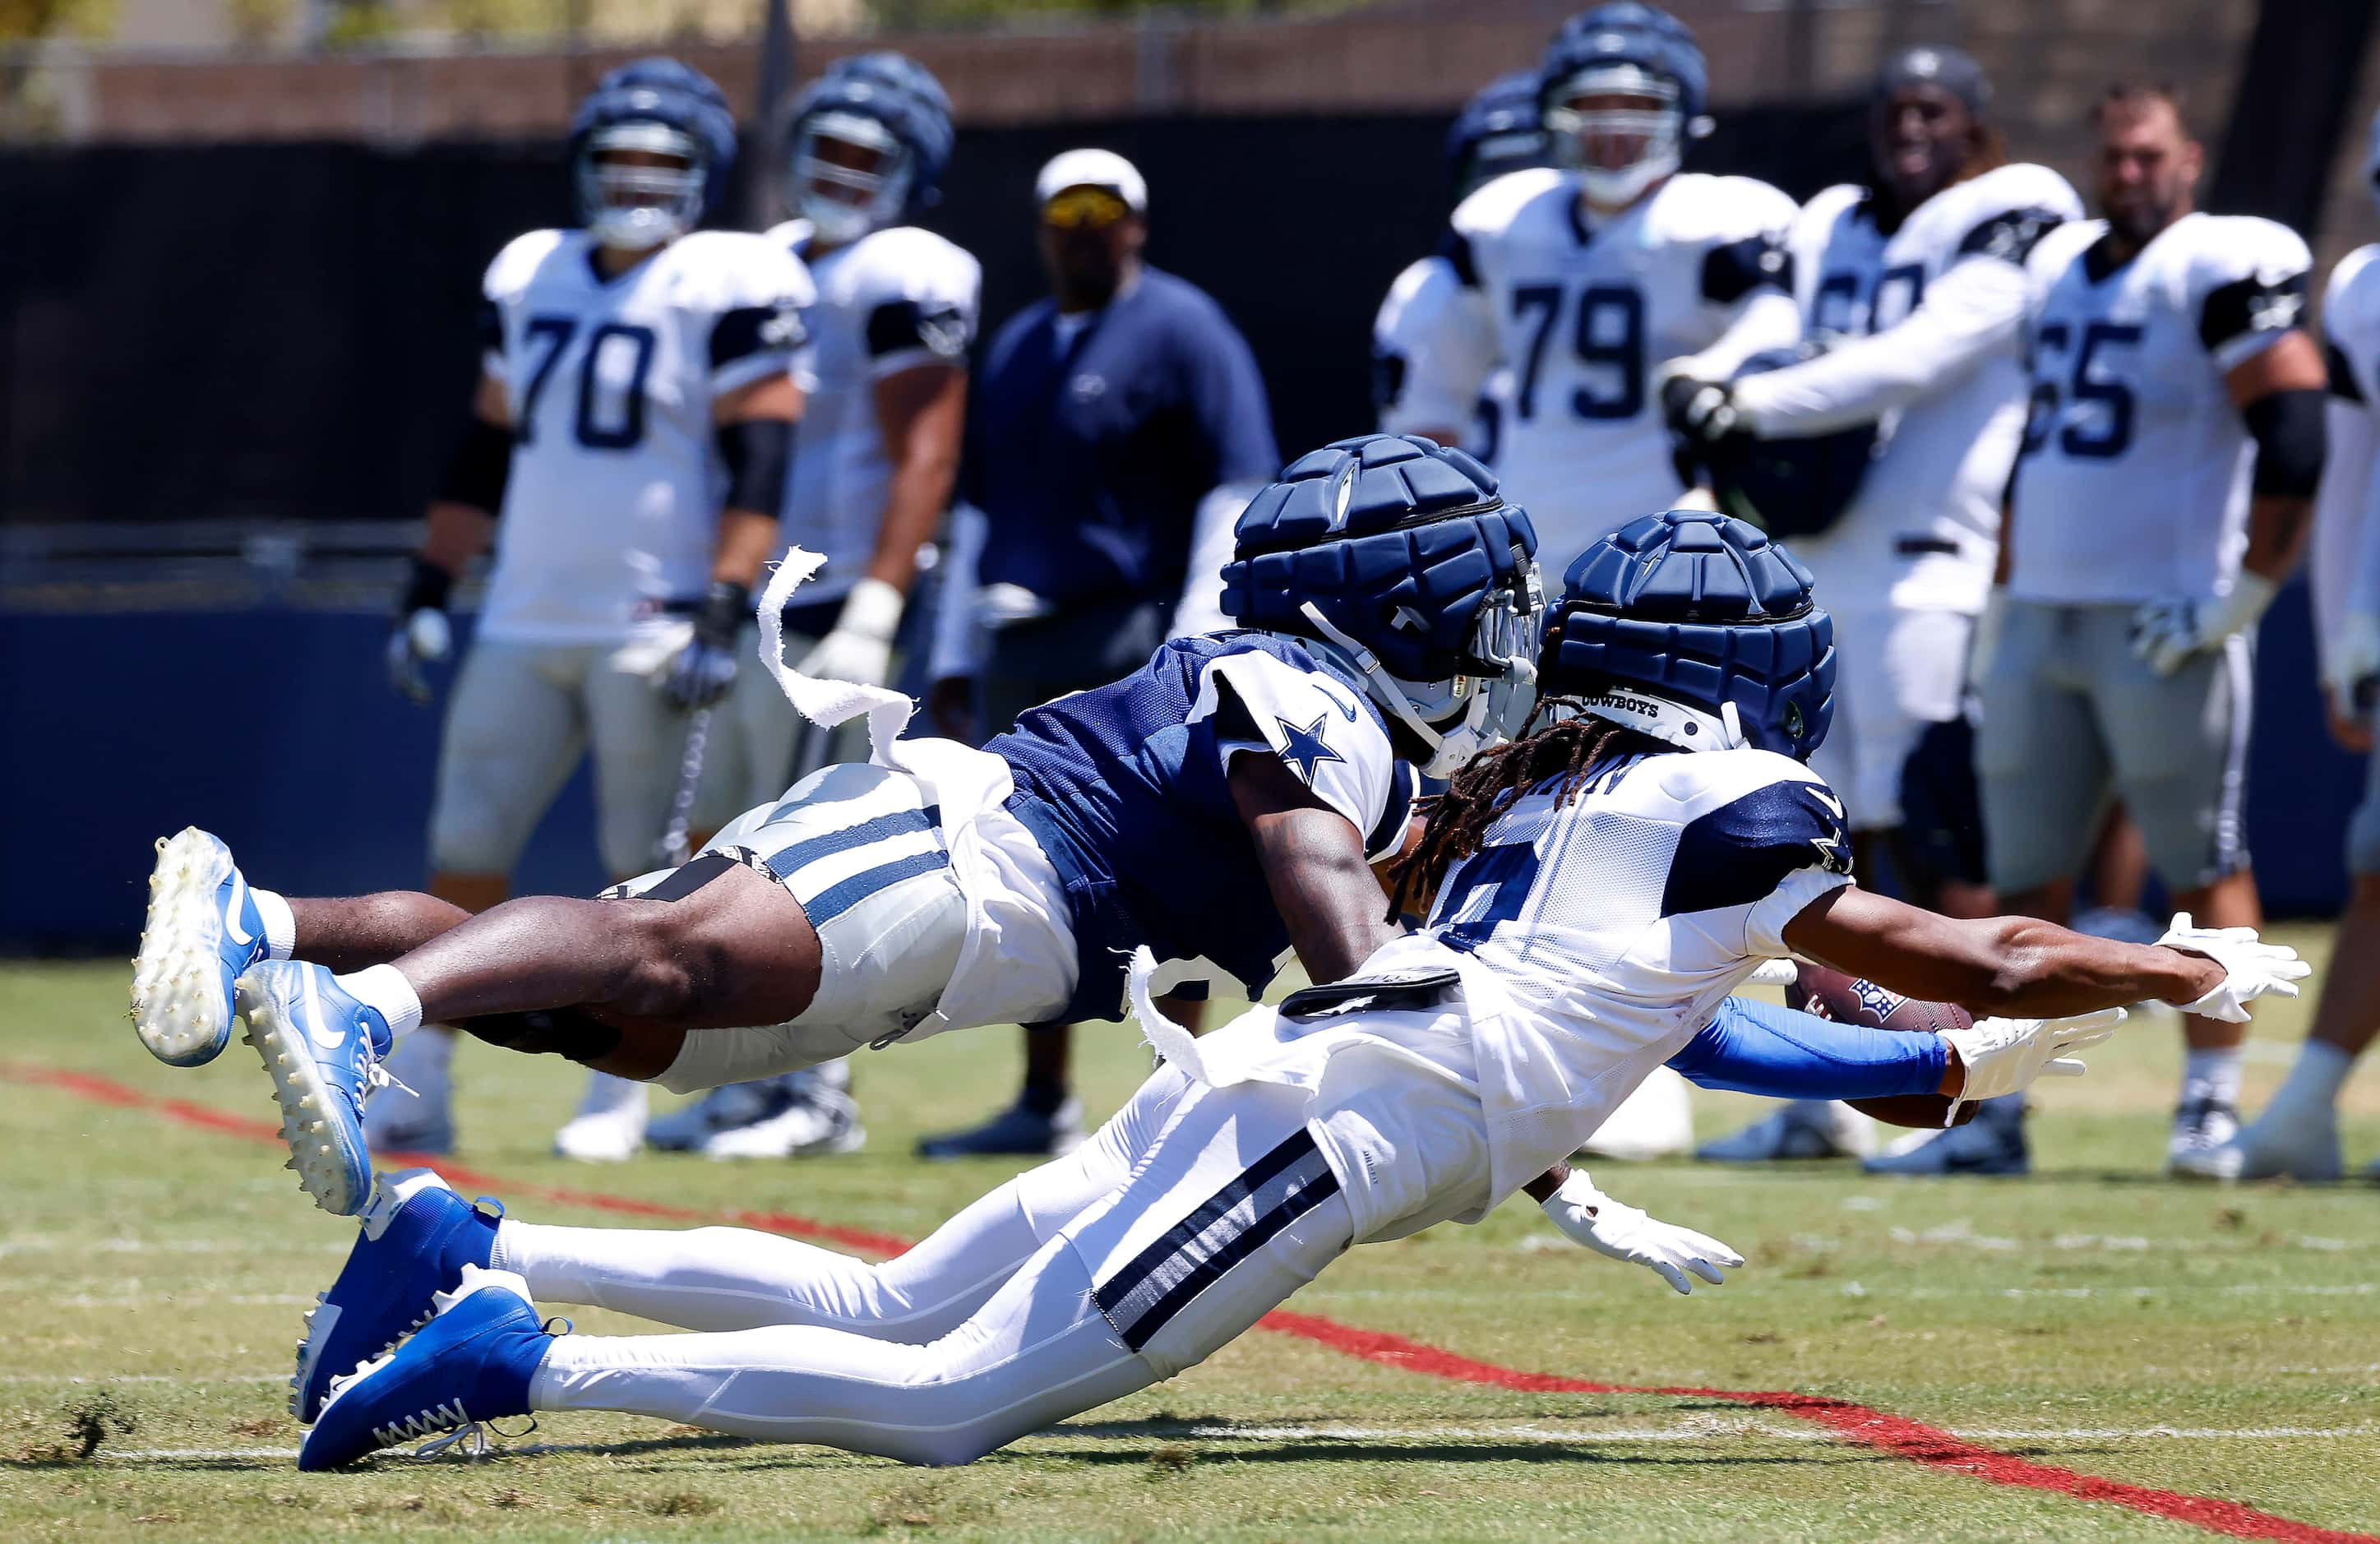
(2133, 482)
(614, 499)
(1580, 316)
(1619, 919)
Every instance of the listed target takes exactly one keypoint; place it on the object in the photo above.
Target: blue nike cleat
(470, 1364)
(203, 931)
(322, 1049)
(418, 1236)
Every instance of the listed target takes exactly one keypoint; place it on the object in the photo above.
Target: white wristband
(872, 610)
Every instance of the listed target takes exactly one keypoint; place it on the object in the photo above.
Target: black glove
(1703, 427)
(705, 668)
(420, 634)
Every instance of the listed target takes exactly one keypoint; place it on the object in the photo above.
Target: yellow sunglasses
(1095, 208)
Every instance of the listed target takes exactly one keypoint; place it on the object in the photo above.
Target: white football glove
(2003, 1055)
(2250, 968)
(1621, 1232)
(2352, 661)
(2167, 633)
(423, 637)
(859, 649)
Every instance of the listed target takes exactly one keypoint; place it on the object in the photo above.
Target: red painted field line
(1896, 1435)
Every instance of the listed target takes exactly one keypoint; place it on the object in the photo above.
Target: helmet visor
(640, 183)
(849, 174)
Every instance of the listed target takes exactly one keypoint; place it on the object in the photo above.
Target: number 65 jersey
(1580, 315)
(2133, 483)
(616, 481)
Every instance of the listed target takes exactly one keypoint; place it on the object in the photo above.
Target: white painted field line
(175, 1379)
(1705, 1429)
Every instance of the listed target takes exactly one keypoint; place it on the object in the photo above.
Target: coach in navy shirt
(1116, 429)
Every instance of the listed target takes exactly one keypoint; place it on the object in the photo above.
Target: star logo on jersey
(2275, 310)
(1303, 749)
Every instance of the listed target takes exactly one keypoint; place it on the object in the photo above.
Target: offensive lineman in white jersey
(1918, 280)
(1583, 279)
(884, 390)
(2166, 485)
(1602, 891)
(2298, 1132)
(628, 445)
(1422, 341)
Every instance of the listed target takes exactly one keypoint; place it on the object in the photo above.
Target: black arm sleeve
(477, 473)
(758, 453)
(905, 326)
(1455, 247)
(2341, 372)
(2290, 438)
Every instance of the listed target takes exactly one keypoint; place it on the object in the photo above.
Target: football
(1848, 999)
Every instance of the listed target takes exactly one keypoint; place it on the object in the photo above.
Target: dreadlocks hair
(1569, 744)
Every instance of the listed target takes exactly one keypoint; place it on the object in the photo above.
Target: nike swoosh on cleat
(311, 1012)
(232, 904)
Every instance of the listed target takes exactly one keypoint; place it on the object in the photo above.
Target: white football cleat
(1804, 1128)
(610, 1126)
(1993, 1143)
(2204, 1141)
(203, 933)
(2283, 1143)
(1656, 1121)
(799, 1117)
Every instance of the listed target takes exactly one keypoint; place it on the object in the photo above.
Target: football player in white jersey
(627, 452)
(1423, 316)
(1917, 280)
(1588, 278)
(884, 389)
(2166, 485)
(2298, 1132)
(1600, 888)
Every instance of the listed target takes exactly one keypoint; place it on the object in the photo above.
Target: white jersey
(616, 481)
(2345, 567)
(1929, 320)
(2134, 481)
(888, 302)
(1582, 315)
(1424, 349)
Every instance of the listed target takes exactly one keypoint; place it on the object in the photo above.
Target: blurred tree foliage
(38, 21)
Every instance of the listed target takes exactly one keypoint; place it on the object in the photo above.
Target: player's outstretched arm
(460, 524)
(2023, 967)
(1314, 863)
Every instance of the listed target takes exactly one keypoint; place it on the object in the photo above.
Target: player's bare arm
(2000, 965)
(459, 526)
(920, 412)
(1314, 862)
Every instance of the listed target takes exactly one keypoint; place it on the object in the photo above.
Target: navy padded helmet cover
(1703, 608)
(1397, 539)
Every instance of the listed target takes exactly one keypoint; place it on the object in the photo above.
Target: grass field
(2213, 1343)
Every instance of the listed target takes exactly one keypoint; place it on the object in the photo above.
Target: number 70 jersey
(613, 500)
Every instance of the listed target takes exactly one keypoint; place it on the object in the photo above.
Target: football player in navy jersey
(1600, 886)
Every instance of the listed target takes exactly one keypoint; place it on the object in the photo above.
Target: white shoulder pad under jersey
(755, 290)
(508, 275)
(2246, 279)
(1329, 739)
(1432, 347)
(912, 295)
(1999, 214)
(1515, 202)
(1707, 210)
(2350, 326)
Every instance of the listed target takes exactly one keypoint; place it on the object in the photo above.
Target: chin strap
(1384, 686)
(1687, 728)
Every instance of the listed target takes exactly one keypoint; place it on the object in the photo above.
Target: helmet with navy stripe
(659, 111)
(1789, 488)
(1622, 50)
(869, 141)
(1499, 130)
(1696, 629)
(1399, 556)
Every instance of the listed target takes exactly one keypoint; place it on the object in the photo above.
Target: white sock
(2314, 1081)
(280, 926)
(2212, 1075)
(383, 987)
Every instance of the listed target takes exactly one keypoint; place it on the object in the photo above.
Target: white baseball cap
(1092, 168)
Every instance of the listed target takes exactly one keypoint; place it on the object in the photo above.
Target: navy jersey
(1124, 787)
